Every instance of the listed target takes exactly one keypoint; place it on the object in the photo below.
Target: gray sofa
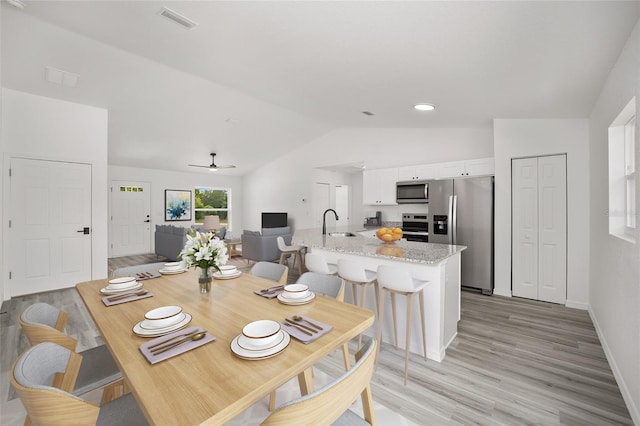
(170, 239)
(264, 247)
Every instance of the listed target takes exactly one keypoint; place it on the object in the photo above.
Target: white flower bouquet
(204, 250)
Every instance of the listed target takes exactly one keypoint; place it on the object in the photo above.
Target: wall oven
(412, 192)
(415, 227)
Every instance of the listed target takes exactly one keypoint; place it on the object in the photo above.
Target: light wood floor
(514, 362)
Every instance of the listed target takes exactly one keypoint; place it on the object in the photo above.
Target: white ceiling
(256, 79)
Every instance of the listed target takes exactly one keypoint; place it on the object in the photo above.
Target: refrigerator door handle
(454, 219)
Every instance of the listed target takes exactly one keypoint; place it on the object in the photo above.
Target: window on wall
(213, 201)
(622, 174)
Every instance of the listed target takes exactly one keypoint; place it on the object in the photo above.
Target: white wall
(614, 290)
(281, 184)
(161, 180)
(48, 129)
(526, 138)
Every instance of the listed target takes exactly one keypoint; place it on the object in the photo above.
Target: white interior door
(539, 228)
(321, 202)
(524, 184)
(50, 225)
(342, 204)
(552, 235)
(130, 218)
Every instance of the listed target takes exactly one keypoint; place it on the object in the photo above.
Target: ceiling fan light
(424, 107)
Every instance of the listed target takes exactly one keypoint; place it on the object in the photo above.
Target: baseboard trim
(622, 385)
(577, 305)
(501, 292)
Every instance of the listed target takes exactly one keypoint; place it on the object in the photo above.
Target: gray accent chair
(34, 375)
(42, 322)
(264, 247)
(330, 404)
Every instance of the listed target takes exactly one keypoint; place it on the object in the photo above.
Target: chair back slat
(327, 404)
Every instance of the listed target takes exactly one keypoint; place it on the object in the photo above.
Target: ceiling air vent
(183, 21)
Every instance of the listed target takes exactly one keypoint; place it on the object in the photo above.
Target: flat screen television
(274, 220)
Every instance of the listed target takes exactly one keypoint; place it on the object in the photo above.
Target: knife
(306, 327)
(156, 346)
(299, 328)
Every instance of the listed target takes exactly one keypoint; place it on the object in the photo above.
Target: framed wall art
(177, 205)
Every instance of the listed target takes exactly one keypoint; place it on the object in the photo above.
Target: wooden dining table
(209, 384)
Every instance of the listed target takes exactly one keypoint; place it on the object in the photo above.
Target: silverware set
(144, 275)
(297, 323)
(166, 345)
(125, 295)
(271, 290)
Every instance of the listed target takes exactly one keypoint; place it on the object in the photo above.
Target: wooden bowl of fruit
(389, 235)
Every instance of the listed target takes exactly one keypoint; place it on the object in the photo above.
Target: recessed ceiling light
(174, 16)
(424, 107)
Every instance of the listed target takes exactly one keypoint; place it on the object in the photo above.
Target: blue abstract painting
(177, 205)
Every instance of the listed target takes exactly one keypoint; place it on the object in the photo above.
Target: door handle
(147, 221)
(84, 230)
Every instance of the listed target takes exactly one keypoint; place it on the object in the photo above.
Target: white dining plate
(149, 324)
(246, 343)
(289, 301)
(240, 352)
(219, 276)
(107, 290)
(164, 271)
(142, 332)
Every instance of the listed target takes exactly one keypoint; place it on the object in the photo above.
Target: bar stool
(286, 250)
(355, 273)
(314, 262)
(396, 280)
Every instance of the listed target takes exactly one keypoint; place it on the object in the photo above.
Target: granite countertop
(405, 251)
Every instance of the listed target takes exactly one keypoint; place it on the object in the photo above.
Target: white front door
(539, 221)
(50, 225)
(130, 218)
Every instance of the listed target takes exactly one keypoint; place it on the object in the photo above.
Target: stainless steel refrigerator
(461, 212)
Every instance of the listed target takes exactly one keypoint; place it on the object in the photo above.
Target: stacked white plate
(296, 294)
(227, 272)
(173, 268)
(259, 340)
(120, 285)
(161, 321)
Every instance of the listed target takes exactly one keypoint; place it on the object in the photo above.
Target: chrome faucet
(324, 220)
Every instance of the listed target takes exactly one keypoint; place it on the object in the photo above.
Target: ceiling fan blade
(229, 166)
(198, 165)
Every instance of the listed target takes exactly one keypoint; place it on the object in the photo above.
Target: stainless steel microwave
(412, 192)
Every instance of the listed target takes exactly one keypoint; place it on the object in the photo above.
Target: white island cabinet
(437, 263)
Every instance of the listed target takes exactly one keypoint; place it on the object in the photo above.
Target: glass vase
(204, 280)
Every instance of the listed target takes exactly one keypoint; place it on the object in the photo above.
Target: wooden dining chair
(271, 271)
(331, 403)
(42, 322)
(43, 377)
(328, 285)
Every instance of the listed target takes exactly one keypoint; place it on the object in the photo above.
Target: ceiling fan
(213, 167)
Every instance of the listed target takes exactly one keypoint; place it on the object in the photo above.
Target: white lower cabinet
(379, 186)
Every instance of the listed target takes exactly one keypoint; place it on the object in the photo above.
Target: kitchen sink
(342, 234)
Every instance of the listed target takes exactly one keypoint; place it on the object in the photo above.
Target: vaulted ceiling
(255, 79)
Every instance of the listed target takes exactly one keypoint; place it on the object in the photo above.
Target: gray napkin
(106, 301)
(301, 336)
(184, 347)
(270, 295)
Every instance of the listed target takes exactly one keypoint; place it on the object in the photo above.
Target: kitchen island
(437, 263)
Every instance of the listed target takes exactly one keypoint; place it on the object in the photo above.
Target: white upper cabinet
(478, 167)
(423, 172)
(379, 186)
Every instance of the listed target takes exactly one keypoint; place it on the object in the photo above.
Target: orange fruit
(396, 231)
(387, 237)
(381, 231)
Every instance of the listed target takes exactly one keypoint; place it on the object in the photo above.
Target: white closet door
(50, 233)
(524, 183)
(539, 228)
(552, 218)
